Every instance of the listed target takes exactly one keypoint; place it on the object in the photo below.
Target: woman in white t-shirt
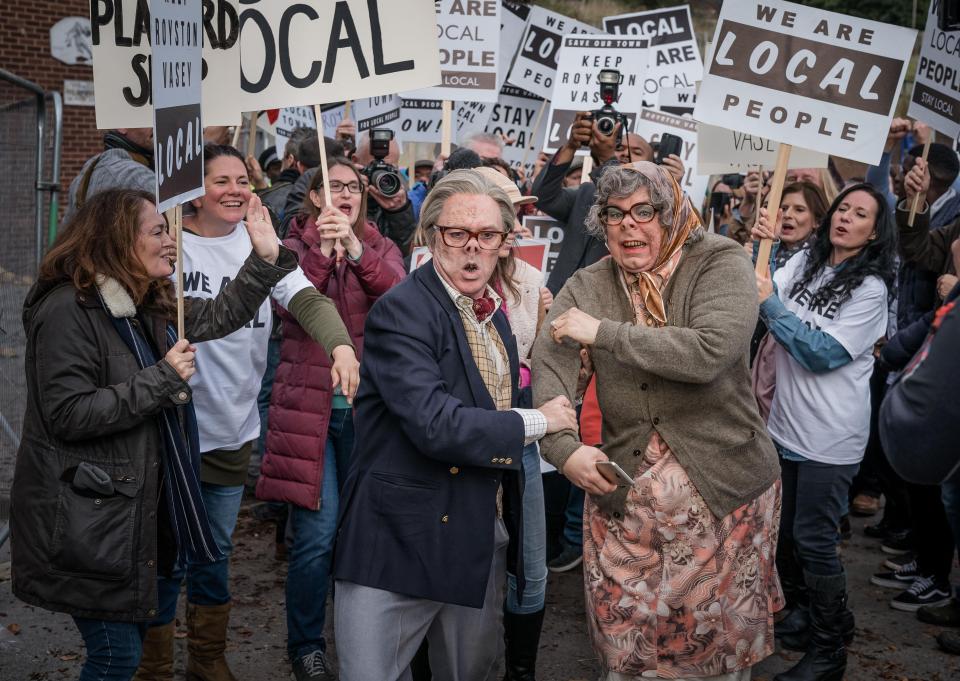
(826, 308)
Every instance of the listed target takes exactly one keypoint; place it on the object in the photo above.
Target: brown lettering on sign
(807, 68)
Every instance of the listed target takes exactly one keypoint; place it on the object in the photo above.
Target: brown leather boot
(206, 643)
(156, 664)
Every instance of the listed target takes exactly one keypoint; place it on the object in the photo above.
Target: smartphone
(612, 472)
(733, 180)
(718, 200)
(669, 144)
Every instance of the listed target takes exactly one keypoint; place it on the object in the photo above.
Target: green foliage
(888, 11)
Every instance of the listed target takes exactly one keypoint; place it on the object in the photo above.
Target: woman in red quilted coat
(310, 432)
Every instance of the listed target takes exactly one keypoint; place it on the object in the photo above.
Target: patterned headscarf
(645, 288)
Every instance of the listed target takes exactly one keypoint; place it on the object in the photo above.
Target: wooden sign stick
(347, 105)
(237, 129)
(533, 134)
(759, 199)
(175, 221)
(323, 156)
(587, 169)
(447, 113)
(252, 134)
(773, 204)
(915, 206)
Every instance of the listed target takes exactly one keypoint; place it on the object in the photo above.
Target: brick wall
(25, 51)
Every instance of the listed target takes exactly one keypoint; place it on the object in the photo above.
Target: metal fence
(30, 140)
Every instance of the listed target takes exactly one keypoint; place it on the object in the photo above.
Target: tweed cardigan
(689, 380)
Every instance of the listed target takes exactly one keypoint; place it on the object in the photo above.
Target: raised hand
(263, 236)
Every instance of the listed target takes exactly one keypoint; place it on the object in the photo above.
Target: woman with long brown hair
(106, 493)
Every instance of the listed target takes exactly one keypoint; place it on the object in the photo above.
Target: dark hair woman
(106, 493)
(826, 308)
(310, 430)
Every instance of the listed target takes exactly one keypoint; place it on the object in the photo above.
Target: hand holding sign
(263, 237)
(917, 181)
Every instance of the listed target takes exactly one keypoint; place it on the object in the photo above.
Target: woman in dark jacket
(310, 429)
(105, 492)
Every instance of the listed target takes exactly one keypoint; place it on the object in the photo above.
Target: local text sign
(726, 151)
(674, 58)
(420, 120)
(468, 32)
(513, 117)
(121, 62)
(175, 34)
(806, 77)
(295, 53)
(535, 66)
(936, 89)
(582, 57)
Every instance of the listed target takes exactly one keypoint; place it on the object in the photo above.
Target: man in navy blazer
(433, 496)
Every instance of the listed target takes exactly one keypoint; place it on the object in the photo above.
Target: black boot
(795, 627)
(826, 657)
(521, 633)
(799, 640)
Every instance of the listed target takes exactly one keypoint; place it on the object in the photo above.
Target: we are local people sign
(802, 76)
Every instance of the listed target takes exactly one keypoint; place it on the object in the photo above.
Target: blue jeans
(814, 498)
(311, 553)
(207, 583)
(534, 540)
(113, 649)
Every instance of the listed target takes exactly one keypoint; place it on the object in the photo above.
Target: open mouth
(232, 204)
(345, 208)
(634, 244)
(841, 230)
(471, 267)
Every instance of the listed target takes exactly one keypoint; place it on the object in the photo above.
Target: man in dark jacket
(392, 214)
(433, 495)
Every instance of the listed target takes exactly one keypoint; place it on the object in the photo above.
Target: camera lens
(387, 182)
(606, 125)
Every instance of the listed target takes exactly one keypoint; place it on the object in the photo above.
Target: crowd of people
(692, 429)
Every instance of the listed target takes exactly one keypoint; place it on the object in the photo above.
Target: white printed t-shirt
(230, 369)
(826, 417)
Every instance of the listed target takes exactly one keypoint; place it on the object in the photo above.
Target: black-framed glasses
(458, 237)
(353, 187)
(641, 212)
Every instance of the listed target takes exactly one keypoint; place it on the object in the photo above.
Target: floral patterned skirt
(673, 592)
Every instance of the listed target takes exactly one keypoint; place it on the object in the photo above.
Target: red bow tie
(483, 307)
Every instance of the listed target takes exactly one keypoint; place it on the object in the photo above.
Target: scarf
(644, 289)
(113, 140)
(181, 455)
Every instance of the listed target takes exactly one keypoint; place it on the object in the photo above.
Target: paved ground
(890, 645)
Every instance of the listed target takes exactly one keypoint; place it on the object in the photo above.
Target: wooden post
(347, 105)
(587, 168)
(759, 199)
(323, 156)
(237, 129)
(446, 129)
(915, 206)
(175, 221)
(773, 203)
(533, 135)
(252, 133)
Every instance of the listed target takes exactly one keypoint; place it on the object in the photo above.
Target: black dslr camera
(607, 117)
(382, 175)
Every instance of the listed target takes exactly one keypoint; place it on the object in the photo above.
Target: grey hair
(481, 136)
(461, 182)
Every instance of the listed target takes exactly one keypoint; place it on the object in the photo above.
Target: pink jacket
(292, 468)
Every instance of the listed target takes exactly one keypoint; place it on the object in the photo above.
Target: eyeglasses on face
(353, 187)
(459, 237)
(641, 212)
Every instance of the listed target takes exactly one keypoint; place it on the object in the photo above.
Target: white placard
(727, 151)
(674, 57)
(576, 88)
(514, 116)
(121, 57)
(806, 77)
(936, 87)
(470, 117)
(468, 34)
(377, 112)
(70, 41)
(535, 66)
(175, 77)
(304, 54)
(78, 93)
(652, 124)
(678, 101)
(420, 120)
(513, 22)
(288, 120)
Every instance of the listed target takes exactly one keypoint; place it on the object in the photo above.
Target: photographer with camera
(378, 158)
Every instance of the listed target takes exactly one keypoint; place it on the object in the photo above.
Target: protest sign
(121, 62)
(377, 112)
(652, 124)
(576, 87)
(678, 101)
(303, 54)
(420, 120)
(470, 117)
(936, 88)
(546, 228)
(177, 132)
(513, 21)
(290, 119)
(805, 77)
(468, 34)
(535, 65)
(728, 151)
(515, 117)
(674, 58)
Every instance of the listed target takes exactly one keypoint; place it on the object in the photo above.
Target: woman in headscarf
(679, 562)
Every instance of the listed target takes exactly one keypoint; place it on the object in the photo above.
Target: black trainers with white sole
(924, 591)
(312, 667)
(900, 578)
